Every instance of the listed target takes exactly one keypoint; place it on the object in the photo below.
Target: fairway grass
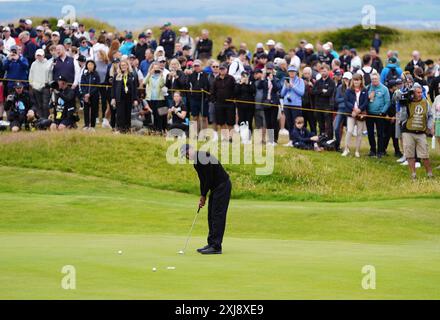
(272, 250)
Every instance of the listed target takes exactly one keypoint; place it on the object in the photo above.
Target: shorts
(413, 142)
(260, 119)
(199, 106)
(65, 122)
(225, 114)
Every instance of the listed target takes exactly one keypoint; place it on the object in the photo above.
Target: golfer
(212, 178)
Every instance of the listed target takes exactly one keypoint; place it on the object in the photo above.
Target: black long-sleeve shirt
(210, 171)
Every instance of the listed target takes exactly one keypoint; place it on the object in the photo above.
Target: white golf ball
(181, 252)
(120, 252)
(154, 269)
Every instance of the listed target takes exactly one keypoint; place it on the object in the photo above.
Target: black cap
(81, 58)
(116, 60)
(62, 78)
(18, 84)
(258, 70)
(223, 66)
(186, 47)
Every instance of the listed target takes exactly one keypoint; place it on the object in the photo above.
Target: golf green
(272, 250)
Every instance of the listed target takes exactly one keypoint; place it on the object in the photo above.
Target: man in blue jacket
(379, 97)
(391, 72)
(167, 40)
(292, 92)
(16, 67)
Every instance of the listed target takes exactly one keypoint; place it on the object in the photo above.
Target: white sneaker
(215, 136)
(357, 154)
(289, 144)
(418, 165)
(273, 144)
(237, 128)
(345, 153)
(404, 163)
(97, 121)
(401, 160)
(86, 129)
(105, 123)
(284, 132)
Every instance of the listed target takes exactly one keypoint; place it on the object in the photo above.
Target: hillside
(141, 160)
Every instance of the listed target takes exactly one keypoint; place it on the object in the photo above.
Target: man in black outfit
(212, 178)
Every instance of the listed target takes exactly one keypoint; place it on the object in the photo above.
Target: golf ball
(119, 252)
(180, 252)
(154, 269)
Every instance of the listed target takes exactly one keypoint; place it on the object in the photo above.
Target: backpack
(367, 76)
(392, 75)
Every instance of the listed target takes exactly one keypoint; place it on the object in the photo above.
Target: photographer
(16, 67)
(416, 121)
(18, 105)
(63, 104)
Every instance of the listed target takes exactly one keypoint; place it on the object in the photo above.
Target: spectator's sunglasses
(215, 67)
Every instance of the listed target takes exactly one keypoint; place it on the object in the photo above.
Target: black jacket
(65, 104)
(323, 99)
(223, 89)
(198, 81)
(410, 66)
(88, 82)
(118, 86)
(210, 171)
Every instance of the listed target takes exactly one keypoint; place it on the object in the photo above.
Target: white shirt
(236, 68)
(8, 43)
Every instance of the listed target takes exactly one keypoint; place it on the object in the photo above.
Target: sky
(277, 15)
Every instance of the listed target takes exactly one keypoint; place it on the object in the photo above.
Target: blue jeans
(339, 122)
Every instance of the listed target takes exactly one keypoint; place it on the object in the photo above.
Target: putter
(190, 232)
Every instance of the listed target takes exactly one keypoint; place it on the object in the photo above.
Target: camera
(54, 85)
(406, 97)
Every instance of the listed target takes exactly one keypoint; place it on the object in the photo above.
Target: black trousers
(309, 120)
(160, 122)
(271, 116)
(217, 210)
(123, 115)
(246, 114)
(390, 133)
(325, 122)
(91, 111)
(379, 124)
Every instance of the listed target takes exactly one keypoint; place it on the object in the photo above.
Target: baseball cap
(186, 47)
(270, 42)
(61, 23)
(81, 58)
(39, 28)
(91, 30)
(260, 45)
(392, 60)
(62, 78)
(18, 84)
(75, 25)
(326, 47)
(292, 69)
(258, 70)
(56, 33)
(167, 24)
(6, 29)
(337, 72)
(39, 52)
(309, 46)
(183, 29)
(141, 36)
(67, 41)
(270, 65)
(223, 66)
(347, 75)
(149, 31)
(14, 47)
(28, 22)
(161, 58)
(129, 36)
(197, 62)
(116, 60)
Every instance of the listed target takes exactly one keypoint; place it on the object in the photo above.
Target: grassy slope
(281, 250)
(298, 175)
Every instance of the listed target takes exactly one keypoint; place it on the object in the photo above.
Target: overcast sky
(252, 14)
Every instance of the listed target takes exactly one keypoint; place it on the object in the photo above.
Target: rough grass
(298, 175)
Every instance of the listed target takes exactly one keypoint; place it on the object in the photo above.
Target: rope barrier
(234, 100)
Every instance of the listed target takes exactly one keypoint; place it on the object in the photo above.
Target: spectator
(377, 43)
(302, 138)
(29, 47)
(28, 28)
(292, 91)
(415, 62)
(226, 52)
(341, 117)
(323, 91)
(345, 58)
(89, 95)
(309, 56)
(66, 67)
(204, 46)
(325, 57)
(260, 120)
(390, 124)
(436, 113)
(141, 47)
(376, 61)
(127, 46)
(271, 93)
(197, 82)
(355, 62)
(8, 40)
(175, 81)
(146, 63)
(356, 104)
(390, 72)
(186, 40)
(167, 40)
(271, 51)
(152, 43)
(237, 66)
(379, 97)
(154, 93)
(367, 70)
(85, 49)
(245, 91)
(178, 113)
(40, 76)
(223, 90)
(307, 100)
(16, 67)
